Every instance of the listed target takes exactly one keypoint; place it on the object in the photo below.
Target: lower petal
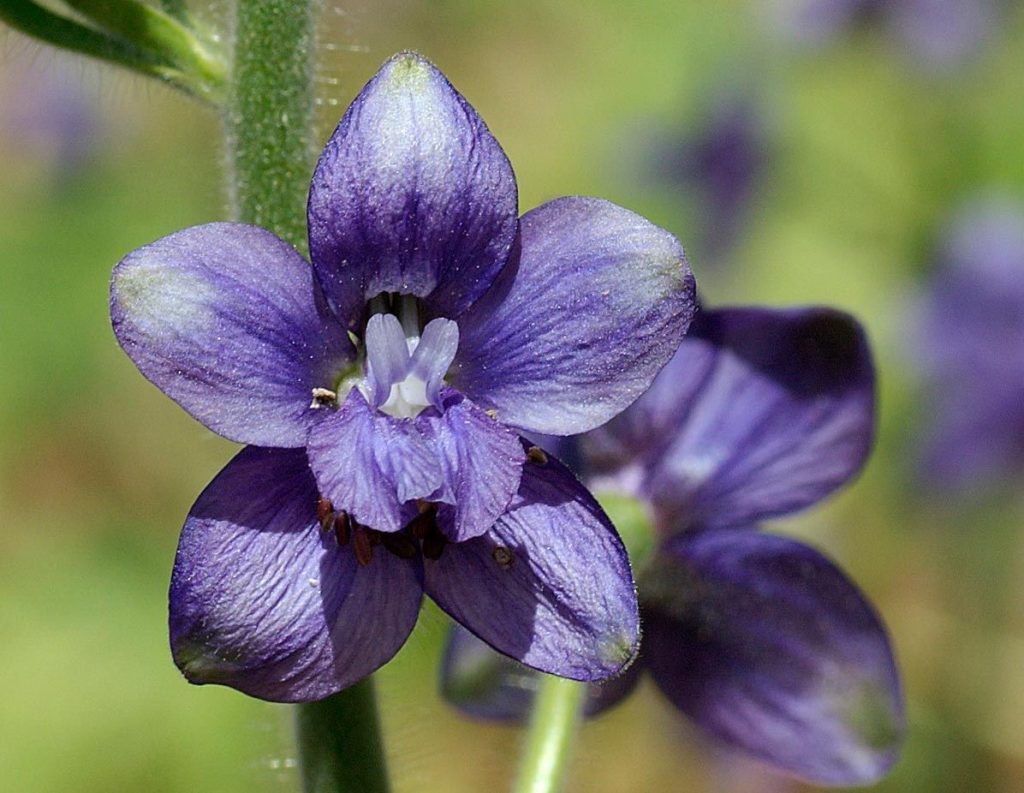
(264, 601)
(549, 584)
(766, 644)
(371, 464)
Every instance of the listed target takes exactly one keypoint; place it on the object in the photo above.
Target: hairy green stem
(339, 750)
(270, 146)
(554, 722)
(269, 116)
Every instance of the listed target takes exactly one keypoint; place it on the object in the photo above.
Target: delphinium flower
(382, 392)
(971, 341)
(938, 33)
(760, 639)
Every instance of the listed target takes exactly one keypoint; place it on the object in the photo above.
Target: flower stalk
(270, 142)
(554, 723)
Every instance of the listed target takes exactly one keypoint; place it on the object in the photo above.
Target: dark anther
(375, 537)
(341, 527)
(503, 556)
(535, 454)
(400, 544)
(324, 513)
(361, 545)
(433, 544)
(425, 523)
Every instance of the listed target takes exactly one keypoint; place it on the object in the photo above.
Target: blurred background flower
(868, 158)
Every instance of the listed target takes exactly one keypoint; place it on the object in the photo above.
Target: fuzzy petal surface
(784, 415)
(549, 584)
(264, 601)
(412, 194)
(373, 465)
(577, 327)
(771, 648)
(227, 321)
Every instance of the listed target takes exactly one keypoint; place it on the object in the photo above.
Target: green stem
(557, 711)
(339, 750)
(270, 146)
(270, 113)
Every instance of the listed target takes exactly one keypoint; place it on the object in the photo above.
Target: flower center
(405, 367)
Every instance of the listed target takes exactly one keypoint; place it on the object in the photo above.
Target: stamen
(492, 412)
(400, 544)
(536, 455)
(323, 398)
(324, 513)
(503, 556)
(433, 544)
(341, 528)
(362, 546)
(425, 523)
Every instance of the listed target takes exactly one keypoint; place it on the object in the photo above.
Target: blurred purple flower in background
(49, 115)
(938, 33)
(971, 340)
(382, 391)
(720, 164)
(760, 639)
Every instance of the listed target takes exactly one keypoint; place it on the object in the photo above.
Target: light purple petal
(265, 601)
(433, 356)
(599, 302)
(372, 465)
(784, 416)
(482, 462)
(387, 356)
(226, 320)
(412, 194)
(549, 584)
(767, 645)
(485, 684)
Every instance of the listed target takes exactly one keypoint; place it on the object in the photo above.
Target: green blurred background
(868, 155)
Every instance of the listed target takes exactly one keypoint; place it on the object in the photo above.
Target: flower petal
(784, 416)
(266, 602)
(372, 465)
(487, 685)
(387, 356)
(433, 355)
(599, 302)
(412, 194)
(482, 462)
(226, 320)
(549, 584)
(766, 644)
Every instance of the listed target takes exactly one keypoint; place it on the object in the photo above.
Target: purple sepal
(784, 415)
(519, 586)
(263, 600)
(481, 462)
(371, 465)
(412, 194)
(629, 291)
(227, 321)
(767, 645)
(486, 685)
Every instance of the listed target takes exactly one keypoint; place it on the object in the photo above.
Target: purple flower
(382, 392)
(972, 344)
(760, 639)
(938, 33)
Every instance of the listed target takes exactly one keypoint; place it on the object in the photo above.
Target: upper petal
(371, 465)
(766, 644)
(265, 601)
(549, 584)
(227, 321)
(579, 325)
(784, 415)
(412, 194)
